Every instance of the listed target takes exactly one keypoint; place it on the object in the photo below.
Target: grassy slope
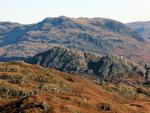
(32, 89)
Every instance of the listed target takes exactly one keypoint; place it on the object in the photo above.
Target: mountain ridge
(98, 35)
(142, 27)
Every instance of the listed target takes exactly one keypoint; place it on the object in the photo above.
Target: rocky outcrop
(147, 67)
(69, 60)
(115, 65)
(76, 61)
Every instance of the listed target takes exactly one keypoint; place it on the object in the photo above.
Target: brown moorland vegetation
(26, 88)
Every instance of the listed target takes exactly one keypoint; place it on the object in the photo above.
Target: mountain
(98, 35)
(8, 26)
(143, 28)
(76, 61)
(74, 65)
(32, 89)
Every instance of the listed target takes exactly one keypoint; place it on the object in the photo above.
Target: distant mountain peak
(56, 20)
(98, 35)
(143, 28)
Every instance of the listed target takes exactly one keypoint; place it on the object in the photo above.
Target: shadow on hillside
(6, 59)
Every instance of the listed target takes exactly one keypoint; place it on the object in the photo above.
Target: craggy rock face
(114, 65)
(147, 67)
(69, 60)
(63, 59)
(76, 61)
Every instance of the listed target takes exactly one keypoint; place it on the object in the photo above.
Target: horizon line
(75, 17)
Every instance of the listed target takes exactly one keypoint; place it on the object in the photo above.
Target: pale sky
(32, 11)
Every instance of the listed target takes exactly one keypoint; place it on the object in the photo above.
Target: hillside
(8, 26)
(95, 65)
(99, 35)
(30, 88)
(143, 29)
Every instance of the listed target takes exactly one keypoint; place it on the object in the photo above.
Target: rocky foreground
(26, 88)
